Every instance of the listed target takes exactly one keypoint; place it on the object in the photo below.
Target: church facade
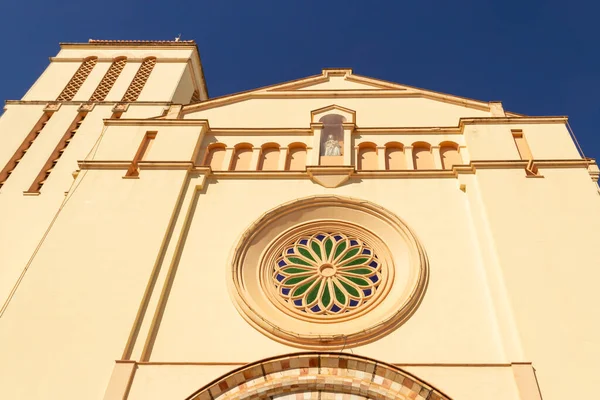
(332, 237)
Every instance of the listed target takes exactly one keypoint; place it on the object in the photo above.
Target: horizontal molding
(513, 120)
(157, 122)
(234, 363)
(111, 59)
(428, 130)
(130, 45)
(80, 102)
(259, 131)
(408, 173)
(121, 164)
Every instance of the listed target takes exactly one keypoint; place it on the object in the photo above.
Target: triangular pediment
(338, 83)
(338, 80)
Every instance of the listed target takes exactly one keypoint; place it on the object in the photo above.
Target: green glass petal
(295, 280)
(299, 261)
(316, 248)
(360, 271)
(312, 295)
(326, 298)
(350, 289)
(358, 261)
(340, 249)
(339, 295)
(358, 281)
(351, 253)
(328, 247)
(294, 270)
(305, 253)
(303, 288)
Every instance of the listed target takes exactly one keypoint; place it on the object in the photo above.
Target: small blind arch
(395, 159)
(296, 159)
(422, 157)
(450, 154)
(367, 156)
(242, 156)
(215, 155)
(269, 157)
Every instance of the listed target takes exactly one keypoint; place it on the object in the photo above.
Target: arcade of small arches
(368, 156)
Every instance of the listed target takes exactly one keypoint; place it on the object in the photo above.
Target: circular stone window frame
(276, 247)
(403, 293)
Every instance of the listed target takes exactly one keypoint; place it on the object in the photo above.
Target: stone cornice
(470, 168)
(130, 45)
(111, 59)
(157, 122)
(122, 164)
(80, 102)
(259, 131)
(371, 130)
(513, 120)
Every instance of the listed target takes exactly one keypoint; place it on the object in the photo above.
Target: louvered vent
(139, 80)
(75, 83)
(109, 80)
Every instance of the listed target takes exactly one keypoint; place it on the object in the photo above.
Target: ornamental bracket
(330, 176)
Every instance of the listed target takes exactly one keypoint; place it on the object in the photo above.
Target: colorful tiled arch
(310, 375)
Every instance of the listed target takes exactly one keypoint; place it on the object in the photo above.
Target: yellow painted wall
(374, 112)
(512, 259)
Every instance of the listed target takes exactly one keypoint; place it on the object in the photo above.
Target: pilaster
(255, 159)
(227, 158)
(437, 159)
(283, 154)
(381, 158)
(408, 153)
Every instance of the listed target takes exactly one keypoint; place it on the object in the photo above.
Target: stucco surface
(99, 266)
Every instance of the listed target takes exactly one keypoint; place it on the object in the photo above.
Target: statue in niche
(332, 147)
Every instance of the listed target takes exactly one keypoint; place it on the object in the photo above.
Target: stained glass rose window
(327, 273)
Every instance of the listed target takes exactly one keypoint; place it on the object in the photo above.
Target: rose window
(327, 273)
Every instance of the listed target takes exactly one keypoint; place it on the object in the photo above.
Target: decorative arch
(215, 154)
(395, 159)
(367, 156)
(318, 376)
(450, 154)
(296, 158)
(422, 156)
(242, 156)
(269, 157)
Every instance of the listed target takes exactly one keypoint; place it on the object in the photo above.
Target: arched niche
(450, 155)
(303, 375)
(422, 157)
(395, 159)
(215, 154)
(332, 140)
(242, 156)
(269, 157)
(367, 156)
(296, 159)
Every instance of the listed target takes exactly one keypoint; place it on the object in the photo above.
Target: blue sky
(538, 57)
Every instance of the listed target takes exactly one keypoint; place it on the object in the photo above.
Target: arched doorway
(315, 375)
